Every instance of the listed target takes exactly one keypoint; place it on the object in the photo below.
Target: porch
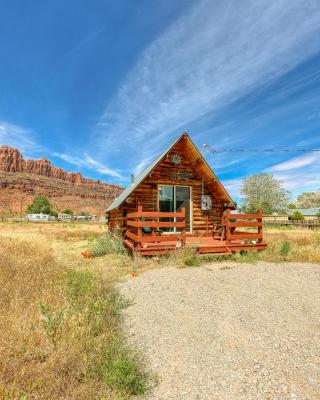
(152, 233)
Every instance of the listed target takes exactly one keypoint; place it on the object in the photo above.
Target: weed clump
(110, 243)
(190, 258)
(285, 249)
(120, 368)
(246, 256)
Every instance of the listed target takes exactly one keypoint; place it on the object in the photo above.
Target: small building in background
(64, 217)
(38, 217)
(307, 213)
(83, 217)
(276, 217)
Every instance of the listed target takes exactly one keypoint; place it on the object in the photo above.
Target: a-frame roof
(140, 178)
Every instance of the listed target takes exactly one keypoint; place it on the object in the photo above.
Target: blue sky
(102, 87)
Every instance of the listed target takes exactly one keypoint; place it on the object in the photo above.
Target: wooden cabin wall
(146, 194)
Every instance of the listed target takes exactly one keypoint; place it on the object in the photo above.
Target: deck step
(215, 254)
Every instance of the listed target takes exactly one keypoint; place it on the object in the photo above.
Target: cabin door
(172, 199)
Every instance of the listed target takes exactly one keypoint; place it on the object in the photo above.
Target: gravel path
(229, 331)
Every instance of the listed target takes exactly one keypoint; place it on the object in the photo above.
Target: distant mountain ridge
(20, 178)
(11, 160)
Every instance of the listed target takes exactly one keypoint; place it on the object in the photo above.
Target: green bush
(109, 244)
(67, 211)
(297, 216)
(285, 249)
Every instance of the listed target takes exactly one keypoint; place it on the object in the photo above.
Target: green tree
(318, 214)
(40, 204)
(297, 216)
(67, 211)
(292, 206)
(265, 192)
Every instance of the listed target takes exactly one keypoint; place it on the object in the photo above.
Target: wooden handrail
(156, 214)
(233, 221)
(245, 216)
(156, 224)
(138, 221)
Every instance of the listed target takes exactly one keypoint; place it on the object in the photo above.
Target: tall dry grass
(60, 332)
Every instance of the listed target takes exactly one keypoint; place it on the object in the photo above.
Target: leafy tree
(292, 206)
(297, 216)
(318, 214)
(67, 211)
(309, 200)
(265, 192)
(40, 204)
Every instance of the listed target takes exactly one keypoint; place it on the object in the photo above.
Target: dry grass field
(60, 314)
(60, 318)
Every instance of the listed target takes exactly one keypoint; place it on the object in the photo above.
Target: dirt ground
(228, 330)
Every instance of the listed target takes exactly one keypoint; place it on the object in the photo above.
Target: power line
(273, 150)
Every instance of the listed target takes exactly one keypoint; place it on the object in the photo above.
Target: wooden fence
(311, 224)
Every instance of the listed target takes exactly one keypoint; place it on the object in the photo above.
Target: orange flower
(133, 274)
(86, 254)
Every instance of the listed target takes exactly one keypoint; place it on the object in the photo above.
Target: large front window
(172, 199)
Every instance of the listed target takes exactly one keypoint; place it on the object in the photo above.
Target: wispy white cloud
(19, 137)
(300, 173)
(88, 162)
(296, 175)
(300, 181)
(208, 58)
(296, 162)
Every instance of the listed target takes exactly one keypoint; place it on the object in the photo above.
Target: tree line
(41, 205)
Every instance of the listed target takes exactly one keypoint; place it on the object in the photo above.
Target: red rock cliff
(20, 178)
(11, 160)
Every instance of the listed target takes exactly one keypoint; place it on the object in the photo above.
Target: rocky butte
(21, 180)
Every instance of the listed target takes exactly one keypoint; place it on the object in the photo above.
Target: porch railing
(234, 221)
(140, 219)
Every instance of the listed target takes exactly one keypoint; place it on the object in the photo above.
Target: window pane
(166, 203)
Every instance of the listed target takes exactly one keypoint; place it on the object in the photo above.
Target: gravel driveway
(229, 331)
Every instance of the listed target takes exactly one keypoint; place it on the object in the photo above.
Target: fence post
(183, 229)
(139, 228)
(227, 221)
(260, 224)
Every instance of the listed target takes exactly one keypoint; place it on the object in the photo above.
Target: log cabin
(178, 201)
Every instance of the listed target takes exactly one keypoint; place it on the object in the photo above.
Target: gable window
(173, 199)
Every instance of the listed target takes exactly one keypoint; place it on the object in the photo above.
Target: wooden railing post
(227, 222)
(260, 225)
(184, 228)
(139, 228)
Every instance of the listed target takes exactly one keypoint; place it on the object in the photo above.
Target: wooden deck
(230, 239)
(204, 245)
